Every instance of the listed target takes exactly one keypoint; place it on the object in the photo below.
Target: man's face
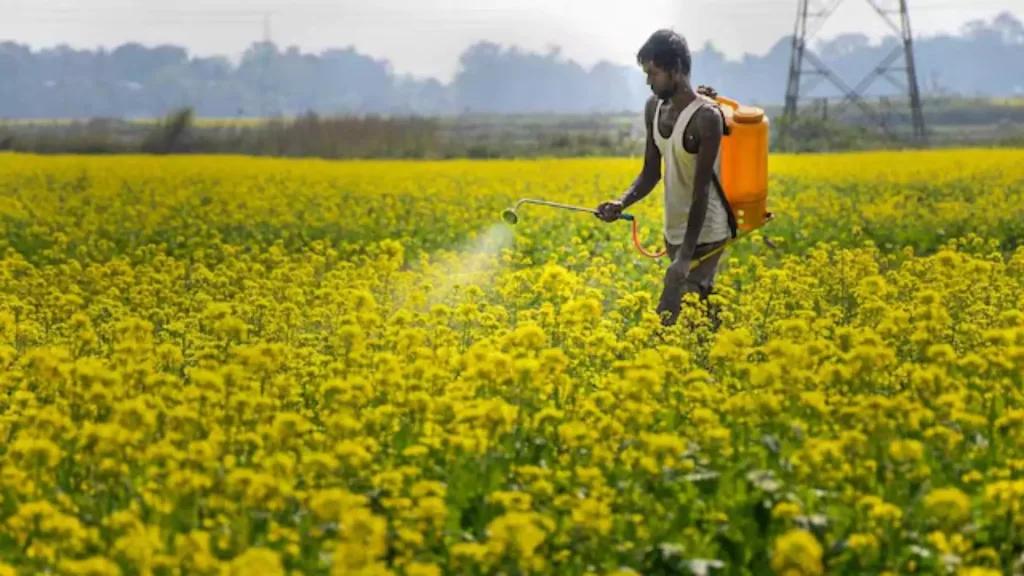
(662, 82)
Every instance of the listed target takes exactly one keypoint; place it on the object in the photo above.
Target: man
(685, 128)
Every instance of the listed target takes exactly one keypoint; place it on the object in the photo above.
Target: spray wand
(511, 216)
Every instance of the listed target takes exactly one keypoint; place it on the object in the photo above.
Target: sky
(425, 37)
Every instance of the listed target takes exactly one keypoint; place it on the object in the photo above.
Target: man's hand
(707, 91)
(671, 301)
(679, 271)
(609, 211)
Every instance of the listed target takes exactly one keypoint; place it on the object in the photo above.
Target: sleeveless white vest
(680, 168)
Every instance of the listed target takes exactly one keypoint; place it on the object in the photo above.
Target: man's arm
(650, 174)
(709, 137)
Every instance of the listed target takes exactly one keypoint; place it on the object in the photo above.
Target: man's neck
(683, 97)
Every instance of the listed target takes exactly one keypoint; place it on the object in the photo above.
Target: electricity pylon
(800, 55)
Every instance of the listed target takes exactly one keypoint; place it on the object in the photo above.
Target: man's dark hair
(667, 50)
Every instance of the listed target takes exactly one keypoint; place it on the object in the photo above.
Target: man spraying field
(685, 127)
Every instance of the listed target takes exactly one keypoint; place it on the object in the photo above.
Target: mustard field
(226, 365)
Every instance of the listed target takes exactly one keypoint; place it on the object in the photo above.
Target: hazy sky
(425, 37)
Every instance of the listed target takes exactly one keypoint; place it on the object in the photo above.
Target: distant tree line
(137, 81)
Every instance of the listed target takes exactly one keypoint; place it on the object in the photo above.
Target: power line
(767, 7)
(205, 21)
(265, 64)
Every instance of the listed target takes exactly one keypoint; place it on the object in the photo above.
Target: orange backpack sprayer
(744, 166)
(743, 182)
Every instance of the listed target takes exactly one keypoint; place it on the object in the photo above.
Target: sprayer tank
(744, 162)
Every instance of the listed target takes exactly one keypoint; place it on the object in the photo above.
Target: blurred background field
(952, 123)
(496, 100)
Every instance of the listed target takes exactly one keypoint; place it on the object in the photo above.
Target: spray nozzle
(509, 216)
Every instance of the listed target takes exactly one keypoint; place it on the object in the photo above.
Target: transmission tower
(806, 18)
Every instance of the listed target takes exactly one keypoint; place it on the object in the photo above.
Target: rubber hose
(636, 242)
